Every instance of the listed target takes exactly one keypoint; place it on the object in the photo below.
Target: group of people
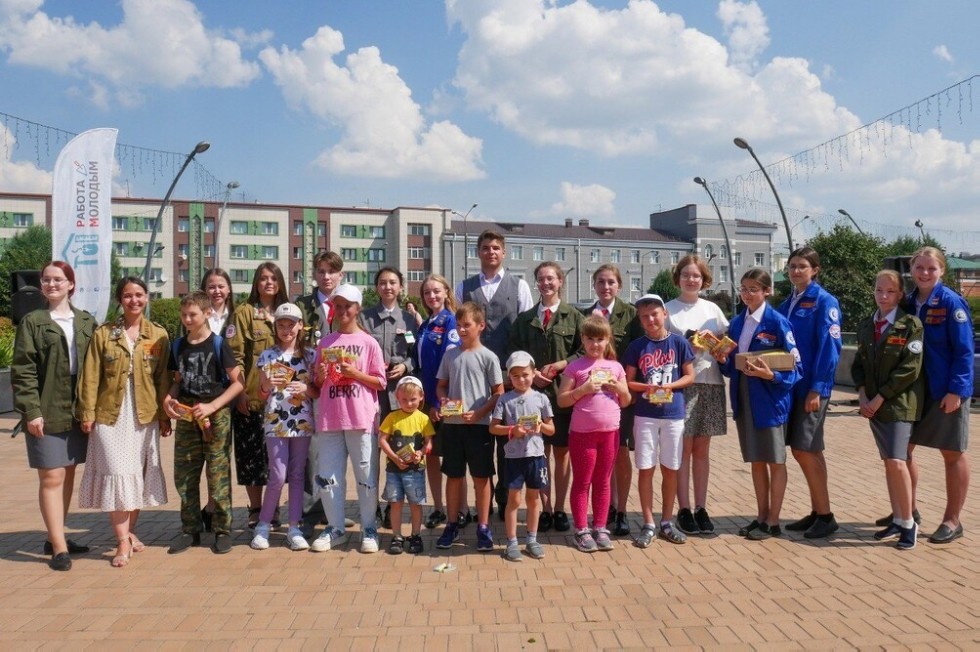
(554, 403)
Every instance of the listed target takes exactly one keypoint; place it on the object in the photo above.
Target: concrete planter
(6, 393)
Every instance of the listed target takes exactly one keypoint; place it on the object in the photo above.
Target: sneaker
(436, 518)
(585, 542)
(222, 543)
(415, 546)
(462, 520)
(513, 552)
(602, 540)
(261, 539)
(686, 522)
(329, 539)
(369, 541)
(534, 550)
(296, 539)
(906, 540)
(562, 523)
(622, 526)
(386, 520)
(645, 537)
(893, 531)
(397, 546)
(449, 536)
(821, 529)
(183, 542)
(668, 533)
(484, 538)
(545, 521)
(703, 520)
(803, 524)
(885, 521)
(764, 532)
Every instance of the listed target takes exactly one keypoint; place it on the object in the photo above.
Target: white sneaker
(296, 539)
(328, 540)
(369, 541)
(261, 539)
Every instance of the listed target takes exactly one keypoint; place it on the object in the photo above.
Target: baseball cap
(650, 298)
(349, 292)
(519, 359)
(289, 311)
(409, 380)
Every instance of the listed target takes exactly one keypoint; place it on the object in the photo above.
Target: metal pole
(740, 142)
(853, 221)
(731, 253)
(231, 185)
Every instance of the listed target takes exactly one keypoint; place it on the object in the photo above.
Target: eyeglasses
(53, 281)
(799, 268)
(745, 290)
(691, 277)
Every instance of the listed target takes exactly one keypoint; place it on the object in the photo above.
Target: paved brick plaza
(721, 591)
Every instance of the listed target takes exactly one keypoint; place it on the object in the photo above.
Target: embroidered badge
(834, 314)
(790, 338)
(915, 346)
(960, 316)
(835, 331)
(230, 331)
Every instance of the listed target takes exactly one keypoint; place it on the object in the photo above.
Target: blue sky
(536, 110)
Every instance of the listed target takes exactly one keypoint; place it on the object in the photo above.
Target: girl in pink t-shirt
(596, 386)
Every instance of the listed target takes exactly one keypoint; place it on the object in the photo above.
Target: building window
(350, 277)
(23, 219)
(378, 232)
(238, 228)
(240, 276)
(183, 250)
(156, 274)
(723, 252)
(376, 255)
(238, 251)
(635, 284)
(348, 253)
(297, 228)
(635, 256)
(471, 251)
(270, 228)
(348, 230)
(723, 274)
(417, 253)
(654, 257)
(560, 254)
(121, 248)
(760, 260)
(615, 255)
(183, 225)
(183, 275)
(209, 226)
(209, 251)
(674, 257)
(537, 253)
(417, 274)
(120, 224)
(297, 276)
(297, 253)
(321, 230)
(270, 253)
(737, 257)
(708, 251)
(517, 252)
(418, 229)
(149, 224)
(594, 255)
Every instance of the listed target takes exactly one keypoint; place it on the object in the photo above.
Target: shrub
(166, 312)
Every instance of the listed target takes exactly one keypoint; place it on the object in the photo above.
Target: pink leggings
(593, 456)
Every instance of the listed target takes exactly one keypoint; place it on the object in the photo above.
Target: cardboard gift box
(777, 360)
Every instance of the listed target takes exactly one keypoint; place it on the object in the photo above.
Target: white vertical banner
(81, 216)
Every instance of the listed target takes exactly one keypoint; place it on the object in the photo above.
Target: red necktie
(547, 318)
(880, 327)
(605, 313)
(329, 311)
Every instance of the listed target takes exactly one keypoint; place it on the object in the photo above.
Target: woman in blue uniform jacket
(815, 316)
(947, 361)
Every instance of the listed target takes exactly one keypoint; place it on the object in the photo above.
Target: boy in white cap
(523, 415)
(406, 438)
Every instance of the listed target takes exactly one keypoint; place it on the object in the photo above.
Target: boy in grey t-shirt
(523, 415)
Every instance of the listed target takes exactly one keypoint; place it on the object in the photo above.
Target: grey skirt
(56, 450)
(936, 429)
(892, 438)
(705, 407)
(758, 444)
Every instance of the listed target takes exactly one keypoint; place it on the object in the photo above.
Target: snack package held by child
(186, 414)
(712, 343)
(451, 408)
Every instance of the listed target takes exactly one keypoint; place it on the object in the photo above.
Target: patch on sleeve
(915, 346)
(796, 354)
(834, 314)
(230, 331)
(454, 336)
(790, 338)
(960, 315)
(835, 331)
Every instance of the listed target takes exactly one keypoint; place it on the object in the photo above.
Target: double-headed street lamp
(231, 185)
(466, 241)
(853, 221)
(728, 245)
(742, 144)
(922, 230)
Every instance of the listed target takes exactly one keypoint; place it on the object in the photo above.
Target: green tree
(166, 312)
(848, 264)
(663, 285)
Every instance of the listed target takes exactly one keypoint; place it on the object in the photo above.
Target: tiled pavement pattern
(721, 591)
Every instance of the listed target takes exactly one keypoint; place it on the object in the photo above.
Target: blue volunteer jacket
(769, 401)
(436, 335)
(816, 325)
(947, 357)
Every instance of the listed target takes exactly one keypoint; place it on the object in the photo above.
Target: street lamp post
(231, 185)
(742, 144)
(728, 245)
(805, 218)
(853, 221)
(466, 241)
(922, 230)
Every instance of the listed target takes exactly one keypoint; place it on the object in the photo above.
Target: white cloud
(162, 43)
(21, 176)
(747, 31)
(593, 200)
(942, 52)
(384, 131)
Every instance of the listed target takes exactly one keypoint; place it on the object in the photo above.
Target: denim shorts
(531, 472)
(405, 486)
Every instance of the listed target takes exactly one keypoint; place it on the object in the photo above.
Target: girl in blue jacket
(947, 360)
(761, 398)
(815, 316)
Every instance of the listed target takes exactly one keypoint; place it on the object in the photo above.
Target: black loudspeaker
(26, 294)
(902, 265)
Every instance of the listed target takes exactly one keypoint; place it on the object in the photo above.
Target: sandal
(253, 517)
(121, 560)
(137, 545)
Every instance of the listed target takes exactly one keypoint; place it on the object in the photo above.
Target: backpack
(222, 374)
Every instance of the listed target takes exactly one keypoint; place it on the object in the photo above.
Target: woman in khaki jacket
(48, 350)
(122, 383)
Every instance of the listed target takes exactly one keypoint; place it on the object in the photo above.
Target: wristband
(510, 432)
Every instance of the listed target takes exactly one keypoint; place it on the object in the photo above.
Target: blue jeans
(331, 478)
(406, 486)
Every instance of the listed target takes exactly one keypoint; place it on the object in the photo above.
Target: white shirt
(698, 316)
(216, 321)
(67, 323)
(752, 321)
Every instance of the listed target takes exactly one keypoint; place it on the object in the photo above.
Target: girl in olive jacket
(887, 373)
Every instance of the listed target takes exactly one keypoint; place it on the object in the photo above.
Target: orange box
(777, 360)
